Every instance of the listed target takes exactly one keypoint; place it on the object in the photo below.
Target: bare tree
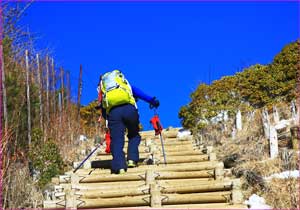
(40, 91)
(28, 98)
(53, 86)
(3, 92)
(47, 90)
(62, 87)
(79, 94)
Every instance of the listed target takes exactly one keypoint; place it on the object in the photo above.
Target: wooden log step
(140, 176)
(144, 200)
(158, 160)
(194, 187)
(191, 188)
(179, 147)
(207, 206)
(193, 198)
(194, 166)
(131, 184)
(184, 159)
(114, 192)
(173, 142)
(147, 155)
(196, 206)
(170, 134)
(172, 153)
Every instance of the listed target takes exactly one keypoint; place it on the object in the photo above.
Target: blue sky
(166, 49)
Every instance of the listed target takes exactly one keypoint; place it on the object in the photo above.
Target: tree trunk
(39, 80)
(62, 88)
(53, 87)
(3, 92)
(79, 94)
(28, 99)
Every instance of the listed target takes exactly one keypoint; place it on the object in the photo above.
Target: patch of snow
(82, 138)
(257, 202)
(283, 123)
(284, 175)
(183, 133)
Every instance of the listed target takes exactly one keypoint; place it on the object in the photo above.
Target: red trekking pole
(158, 128)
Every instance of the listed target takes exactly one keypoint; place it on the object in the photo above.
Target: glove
(154, 103)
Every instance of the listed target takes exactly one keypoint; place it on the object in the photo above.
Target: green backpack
(116, 90)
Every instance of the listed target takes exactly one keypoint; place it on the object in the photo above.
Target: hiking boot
(121, 171)
(131, 164)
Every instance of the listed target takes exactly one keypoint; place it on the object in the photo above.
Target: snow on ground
(284, 175)
(183, 133)
(257, 202)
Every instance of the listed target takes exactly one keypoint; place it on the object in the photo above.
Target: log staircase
(192, 178)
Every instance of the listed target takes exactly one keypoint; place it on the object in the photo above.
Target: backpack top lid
(116, 90)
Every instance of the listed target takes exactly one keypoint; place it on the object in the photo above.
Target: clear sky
(166, 49)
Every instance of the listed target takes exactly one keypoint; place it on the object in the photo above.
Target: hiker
(117, 99)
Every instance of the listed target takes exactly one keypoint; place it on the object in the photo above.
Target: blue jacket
(137, 93)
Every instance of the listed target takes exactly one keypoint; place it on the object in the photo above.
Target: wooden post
(266, 123)
(212, 156)
(273, 142)
(219, 172)
(233, 132)
(28, 98)
(71, 201)
(239, 120)
(155, 199)
(40, 91)
(275, 115)
(150, 178)
(209, 149)
(236, 196)
(295, 133)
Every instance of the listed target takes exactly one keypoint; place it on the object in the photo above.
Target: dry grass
(248, 156)
(283, 194)
(19, 191)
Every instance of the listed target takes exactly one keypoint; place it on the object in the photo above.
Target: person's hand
(154, 103)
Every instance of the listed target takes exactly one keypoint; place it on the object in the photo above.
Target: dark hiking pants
(120, 118)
